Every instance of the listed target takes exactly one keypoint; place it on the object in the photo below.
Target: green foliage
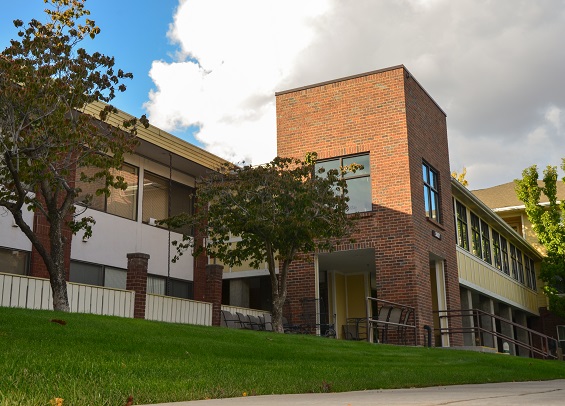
(547, 222)
(101, 360)
(276, 211)
(46, 82)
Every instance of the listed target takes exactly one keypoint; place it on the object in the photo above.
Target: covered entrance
(345, 280)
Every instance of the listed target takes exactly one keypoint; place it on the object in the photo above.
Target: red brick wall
(213, 295)
(41, 229)
(387, 114)
(137, 281)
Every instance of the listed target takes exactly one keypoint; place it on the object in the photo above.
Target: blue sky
(133, 31)
(207, 70)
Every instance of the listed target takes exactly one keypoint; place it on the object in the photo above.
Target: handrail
(479, 330)
(375, 322)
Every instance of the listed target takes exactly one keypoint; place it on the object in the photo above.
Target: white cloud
(232, 55)
(492, 66)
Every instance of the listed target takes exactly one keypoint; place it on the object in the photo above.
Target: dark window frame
(431, 192)
(365, 173)
(105, 204)
(462, 225)
(168, 183)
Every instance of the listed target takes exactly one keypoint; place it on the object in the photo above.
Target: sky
(207, 70)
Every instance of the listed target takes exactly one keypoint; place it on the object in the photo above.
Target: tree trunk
(59, 290)
(277, 312)
(56, 267)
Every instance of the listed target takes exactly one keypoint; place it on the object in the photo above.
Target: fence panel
(176, 310)
(23, 291)
(245, 310)
(35, 293)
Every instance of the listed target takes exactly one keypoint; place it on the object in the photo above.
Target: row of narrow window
(493, 248)
(157, 191)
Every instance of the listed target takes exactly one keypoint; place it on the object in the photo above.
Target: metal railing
(403, 320)
(481, 328)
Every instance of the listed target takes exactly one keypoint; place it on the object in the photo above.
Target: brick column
(137, 281)
(213, 293)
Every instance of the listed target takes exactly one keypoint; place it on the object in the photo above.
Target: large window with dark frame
(517, 264)
(122, 203)
(530, 273)
(431, 192)
(485, 237)
(462, 227)
(476, 235)
(496, 250)
(158, 191)
(358, 183)
(157, 285)
(98, 275)
(14, 261)
(504, 253)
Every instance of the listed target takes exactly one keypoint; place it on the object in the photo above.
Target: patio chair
(382, 318)
(404, 327)
(229, 320)
(244, 320)
(393, 320)
(255, 323)
(268, 322)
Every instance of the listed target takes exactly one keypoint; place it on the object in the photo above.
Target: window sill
(435, 223)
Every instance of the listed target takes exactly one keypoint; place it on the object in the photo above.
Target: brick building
(405, 245)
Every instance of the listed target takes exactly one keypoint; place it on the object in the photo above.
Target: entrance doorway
(344, 282)
(439, 300)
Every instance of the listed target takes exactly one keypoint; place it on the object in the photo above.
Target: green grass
(97, 360)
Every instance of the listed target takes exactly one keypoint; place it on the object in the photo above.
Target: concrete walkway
(499, 394)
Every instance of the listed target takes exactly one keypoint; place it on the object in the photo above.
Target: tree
(460, 177)
(46, 81)
(277, 210)
(548, 223)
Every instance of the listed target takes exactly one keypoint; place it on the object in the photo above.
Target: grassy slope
(96, 360)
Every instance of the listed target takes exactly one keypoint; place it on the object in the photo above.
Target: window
(520, 272)
(476, 235)
(358, 183)
(121, 203)
(97, 275)
(13, 261)
(517, 264)
(156, 199)
(504, 251)
(462, 228)
(485, 236)
(530, 273)
(431, 192)
(496, 250)
(157, 285)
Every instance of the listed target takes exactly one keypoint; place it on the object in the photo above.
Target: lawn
(98, 360)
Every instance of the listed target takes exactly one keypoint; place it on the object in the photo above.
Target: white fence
(244, 310)
(35, 293)
(175, 310)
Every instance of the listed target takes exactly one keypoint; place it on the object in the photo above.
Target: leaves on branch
(548, 223)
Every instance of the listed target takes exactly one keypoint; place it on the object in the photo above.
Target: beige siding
(476, 274)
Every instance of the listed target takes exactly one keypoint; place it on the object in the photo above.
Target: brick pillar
(137, 281)
(213, 293)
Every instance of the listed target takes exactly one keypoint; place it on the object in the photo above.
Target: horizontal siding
(476, 274)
